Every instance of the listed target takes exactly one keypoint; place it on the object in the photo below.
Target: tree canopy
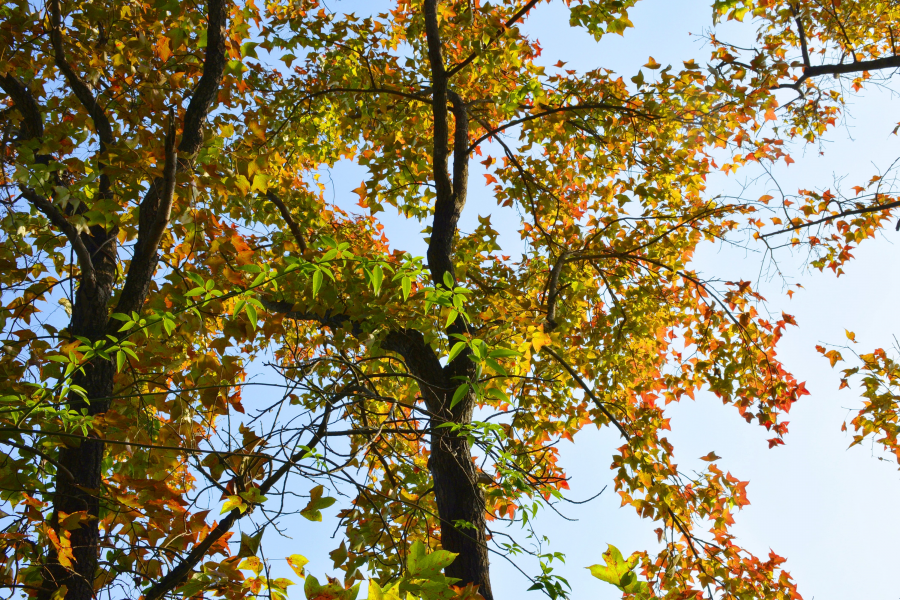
(166, 231)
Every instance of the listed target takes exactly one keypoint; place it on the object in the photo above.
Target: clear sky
(824, 507)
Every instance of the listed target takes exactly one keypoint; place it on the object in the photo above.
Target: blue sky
(826, 508)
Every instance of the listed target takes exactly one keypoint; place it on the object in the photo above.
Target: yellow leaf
(297, 562)
(850, 335)
(162, 48)
(652, 64)
(539, 339)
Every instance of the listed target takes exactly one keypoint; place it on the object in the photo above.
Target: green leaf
(251, 314)
(423, 565)
(197, 291)
(120, 361)
(377, 278)
(250, 544)
(459, 394)
(407, 287)
(451, 317)
(454, 352)
(619, 572)
(258, 279)
(316, 504)
(316, 282)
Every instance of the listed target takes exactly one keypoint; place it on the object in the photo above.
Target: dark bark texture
(79, 481)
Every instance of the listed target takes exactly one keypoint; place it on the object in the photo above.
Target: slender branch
(286, 215)
(509, 23)
(178, 574)
(544, 113)
(35, 451)
(858, 211)
(90, 438)
(802, 35)
(587, 390)
(56, 217)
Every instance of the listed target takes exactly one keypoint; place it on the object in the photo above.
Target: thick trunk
(460, 502)
(460, 505)
(89, 319)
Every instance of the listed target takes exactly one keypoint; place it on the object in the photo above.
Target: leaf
(459, 394)
(252, 563)
(539, 339)
(454, 352)
(377, 278)
(710, 457)
(316, 504)
(232, 503)
(251, 315)
(250, 544)
(407, 287)
(316, 282)
(424, 565)
(617, 570)
(297, 562)
(652, 64)
(339, 555)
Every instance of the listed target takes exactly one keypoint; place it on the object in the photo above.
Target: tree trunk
(90, 314)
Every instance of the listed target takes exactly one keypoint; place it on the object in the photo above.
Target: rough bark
(79, 478)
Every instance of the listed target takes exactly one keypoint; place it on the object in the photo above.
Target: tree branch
(79, 86)
(886, 62)
(858, 211)
(286, 215)
(56, 217)
(213, 72)
(544, 113)
(802, 35)
(156, 206)
(509, 23)
(23, 100)
(179, 573)
(586, 389)
(33, 128)
(156, 231)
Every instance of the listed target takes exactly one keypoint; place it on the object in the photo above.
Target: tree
(396, 370)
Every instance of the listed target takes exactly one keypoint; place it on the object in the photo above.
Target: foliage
(162, 173)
